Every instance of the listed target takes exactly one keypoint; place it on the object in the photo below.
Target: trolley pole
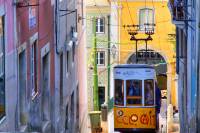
(95, 76)
(136, 42)
(146, 52)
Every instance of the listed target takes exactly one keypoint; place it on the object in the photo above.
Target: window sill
(2, 120)
(3, 124)
(101, 66)
(34, 96)
(100, 32)
(46, 126)
(23, 128)
(67, 74)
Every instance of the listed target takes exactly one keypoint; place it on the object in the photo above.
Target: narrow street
(99, 66)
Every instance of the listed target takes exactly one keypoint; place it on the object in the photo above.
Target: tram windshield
(119, 92)
(134, 92)
(149, 92)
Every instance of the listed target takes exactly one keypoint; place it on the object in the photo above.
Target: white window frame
(98, 58)
(146, 9)
(98, 25)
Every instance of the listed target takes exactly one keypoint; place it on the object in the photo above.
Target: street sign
(32, 18)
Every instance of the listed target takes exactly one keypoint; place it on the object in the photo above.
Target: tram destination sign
(127, 73)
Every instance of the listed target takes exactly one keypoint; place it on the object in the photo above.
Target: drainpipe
(95, 76)
(108, 64)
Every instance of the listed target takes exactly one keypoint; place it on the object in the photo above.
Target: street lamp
(114, 51)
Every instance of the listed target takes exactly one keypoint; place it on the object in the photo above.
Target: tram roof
(134, 66)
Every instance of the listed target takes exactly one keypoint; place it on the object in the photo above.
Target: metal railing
(177, 7)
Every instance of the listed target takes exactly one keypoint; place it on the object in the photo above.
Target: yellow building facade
(163, 42)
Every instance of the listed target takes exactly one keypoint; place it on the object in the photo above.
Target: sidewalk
(108, 126)
(104, 125)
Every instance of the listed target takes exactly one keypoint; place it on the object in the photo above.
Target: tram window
(149, 92)
(134, 92)
(119, 92)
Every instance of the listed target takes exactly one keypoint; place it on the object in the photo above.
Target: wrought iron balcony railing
(177, 9)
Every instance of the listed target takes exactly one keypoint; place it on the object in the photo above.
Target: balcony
(176, 8)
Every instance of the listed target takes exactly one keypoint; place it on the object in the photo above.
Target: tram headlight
(120, 113)
(134, 117)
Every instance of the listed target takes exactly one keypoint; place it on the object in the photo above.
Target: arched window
(146, 18)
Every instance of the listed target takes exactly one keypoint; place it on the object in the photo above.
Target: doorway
(46, 88)
(101, 95)
(22, 87)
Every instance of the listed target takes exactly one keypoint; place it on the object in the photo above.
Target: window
(146, 18)
(61, 82)
(119, 92)
(67, 119)
(67, 64)
(34, 69)
(73, 51)
(22, 88)
(2, 69)
(77, 106)
(46, 87)
(101, 58)
(72, 113)
(149, 92)
(100, 22)
(134, 92)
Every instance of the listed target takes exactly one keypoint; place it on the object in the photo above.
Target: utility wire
(129, 12)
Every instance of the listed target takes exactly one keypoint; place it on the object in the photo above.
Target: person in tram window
(134, 90)
(118, 97)
(158, 103)
(149, 94)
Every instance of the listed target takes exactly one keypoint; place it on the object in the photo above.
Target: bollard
(104, 112)
(169, 118)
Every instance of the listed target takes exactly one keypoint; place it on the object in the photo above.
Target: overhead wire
(129, 11)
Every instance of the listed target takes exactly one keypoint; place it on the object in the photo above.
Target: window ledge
(23, 128)
(46, 126)
(67, 74)
(100, 32)
(2, 120)
(34, 96)
(3, 124)
(101, 66)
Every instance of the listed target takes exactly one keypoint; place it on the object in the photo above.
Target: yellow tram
(134, 98)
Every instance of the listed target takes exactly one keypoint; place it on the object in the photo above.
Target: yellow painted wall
(129, 14)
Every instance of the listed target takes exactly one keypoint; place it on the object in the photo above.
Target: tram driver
(149, 98)
(134, 90)
(119, 96)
